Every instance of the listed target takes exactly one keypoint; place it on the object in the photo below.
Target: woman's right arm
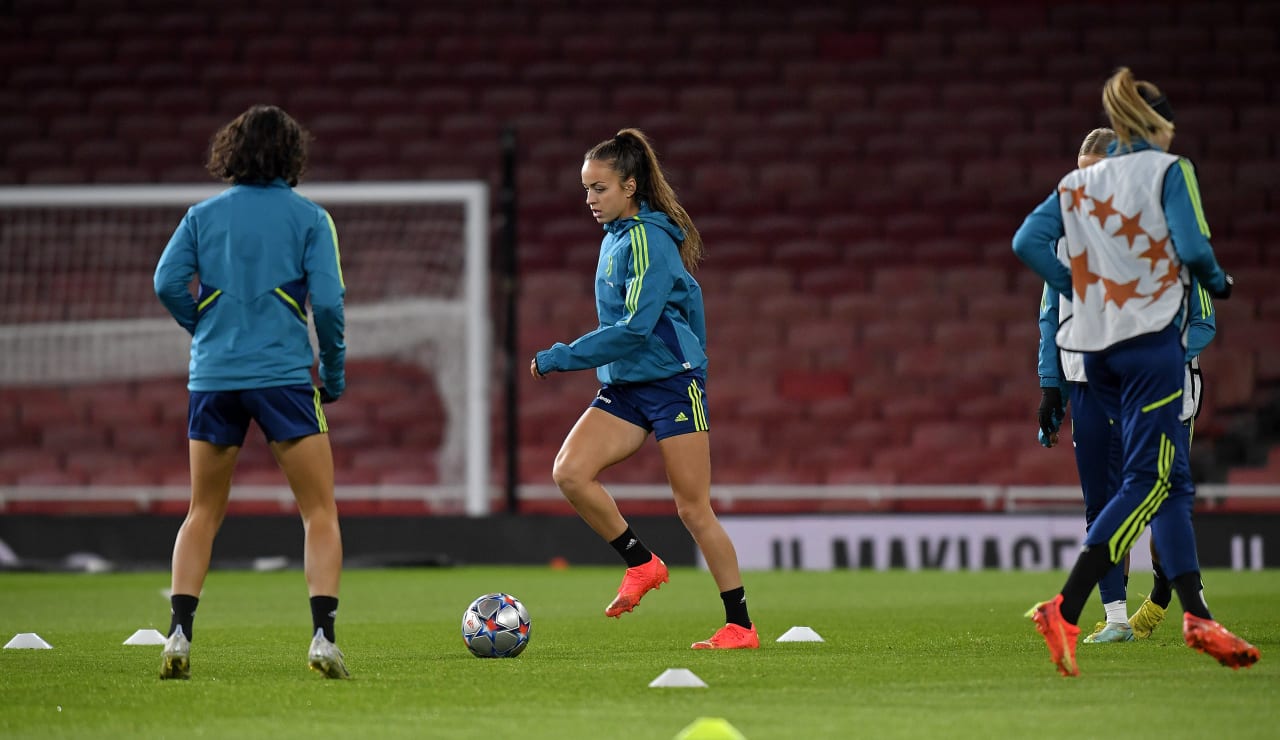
(323, 265)
(1034, 244)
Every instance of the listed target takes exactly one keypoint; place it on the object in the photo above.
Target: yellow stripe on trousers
(1166, 400)
(699, 411)
(321, 422)
(1129, 530)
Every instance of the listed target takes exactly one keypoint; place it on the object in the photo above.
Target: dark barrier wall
(147, 541)
(1224, 541)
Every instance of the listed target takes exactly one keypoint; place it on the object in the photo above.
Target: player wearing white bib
(1096, 439)
(1132, 223)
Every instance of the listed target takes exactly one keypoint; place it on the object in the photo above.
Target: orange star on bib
(1081, 277)
(1103, 210)
(1130, 228)
(1155, 250)
(1119, 293)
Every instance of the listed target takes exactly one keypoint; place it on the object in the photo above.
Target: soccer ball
(496, 626)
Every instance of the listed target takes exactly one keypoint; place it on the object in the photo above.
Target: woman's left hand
(533, 369)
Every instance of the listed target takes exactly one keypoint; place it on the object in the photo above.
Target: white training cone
(28, 640)
(800, 634)
(145, 637)
(275, 562)
(710, 728)
(677, 678)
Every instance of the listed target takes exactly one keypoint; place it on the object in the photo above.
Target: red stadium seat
(18, 461)
(913, 227)
(951, 18)
(783, 108)
(927, 43)
(892, 334)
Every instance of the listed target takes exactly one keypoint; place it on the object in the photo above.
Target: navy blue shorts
(667, 407)
(283, 413)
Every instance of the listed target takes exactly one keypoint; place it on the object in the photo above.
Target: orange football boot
(730, 637)
(637, 582)
(1217, 642)
(1059, 634)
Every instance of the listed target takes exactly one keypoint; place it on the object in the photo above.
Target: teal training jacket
(652, 321)
(261, 253)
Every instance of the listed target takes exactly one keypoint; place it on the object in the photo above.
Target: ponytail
(630, 154)
(1137, 108)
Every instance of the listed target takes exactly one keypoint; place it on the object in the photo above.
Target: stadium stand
(858, 170)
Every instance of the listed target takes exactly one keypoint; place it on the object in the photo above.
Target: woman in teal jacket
(262, 253)
(649, 352)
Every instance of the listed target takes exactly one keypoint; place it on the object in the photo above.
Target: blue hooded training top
(261, 251)
(652, 322)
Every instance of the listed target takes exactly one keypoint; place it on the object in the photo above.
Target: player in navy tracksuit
(1096, 440)
(1133, 224)
(649, 353)
(261, 252)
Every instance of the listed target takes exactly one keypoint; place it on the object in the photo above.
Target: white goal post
(428, 258)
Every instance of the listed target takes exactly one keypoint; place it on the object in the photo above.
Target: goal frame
(472, 195)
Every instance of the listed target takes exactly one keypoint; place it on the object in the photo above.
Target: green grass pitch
(907, 655)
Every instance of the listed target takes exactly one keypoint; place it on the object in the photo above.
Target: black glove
(325, 397)
(1225, 293)
(1051, 410)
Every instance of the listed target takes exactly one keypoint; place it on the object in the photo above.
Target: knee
(322, 513)
(568, 475)
(205, 518)
(321, 522)
(695, 516)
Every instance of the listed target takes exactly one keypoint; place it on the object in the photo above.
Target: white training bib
(1126, 278)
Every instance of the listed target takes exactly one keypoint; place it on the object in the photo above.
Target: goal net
(79, 316)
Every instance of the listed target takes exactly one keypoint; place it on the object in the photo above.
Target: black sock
(182, 612)
(1188, 586)
(631, 549)
(1161, 591)
(735, 607)
(1090, 566)
(324, 609)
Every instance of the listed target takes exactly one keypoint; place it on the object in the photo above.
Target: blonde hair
(1096, 142)
(1125, 100)
(630, 154)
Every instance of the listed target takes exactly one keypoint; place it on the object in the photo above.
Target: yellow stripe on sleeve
(639, 265)
(337, 253)
(1193, 190)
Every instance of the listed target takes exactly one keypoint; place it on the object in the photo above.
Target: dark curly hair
(258, 146)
